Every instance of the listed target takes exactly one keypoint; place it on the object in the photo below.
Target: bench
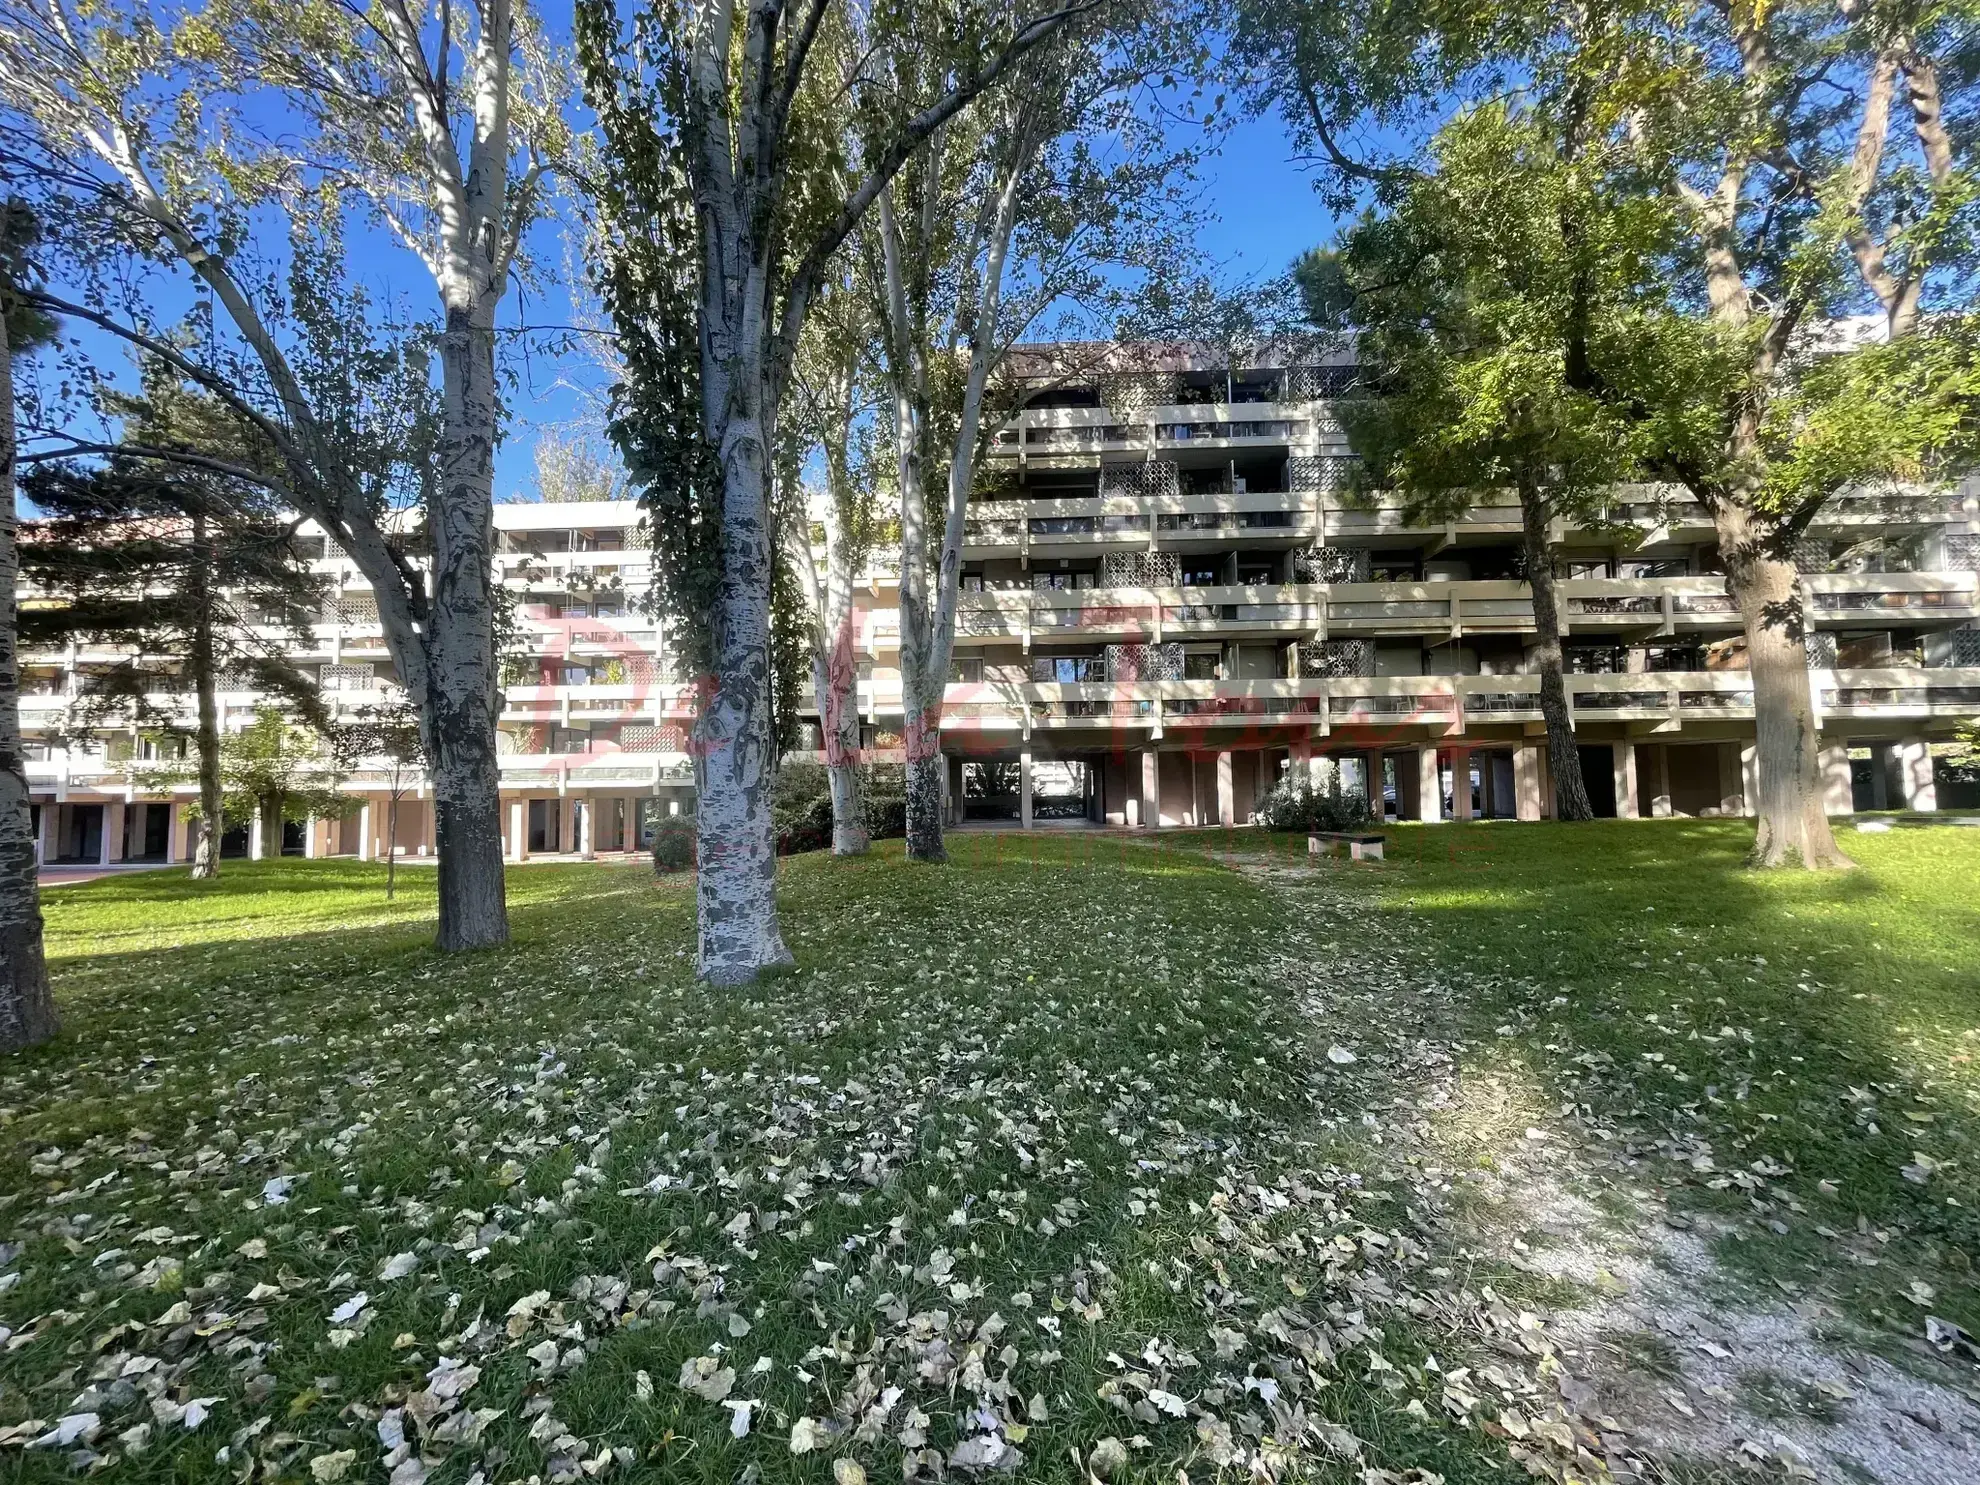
(1360, 846)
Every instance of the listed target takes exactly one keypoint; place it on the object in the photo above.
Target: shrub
(1295, 806)
(673, 844)
(801, 806)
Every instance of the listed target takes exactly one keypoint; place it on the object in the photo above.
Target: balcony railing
(1619, 606)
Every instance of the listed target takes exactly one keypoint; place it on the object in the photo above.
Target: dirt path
(1663, 1365)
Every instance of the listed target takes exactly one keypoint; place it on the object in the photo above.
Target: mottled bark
(1793, 822)
(460, 702)
(734, 750)
(834, 679)
(27, 1011)
(206, 739)
(1563, 755)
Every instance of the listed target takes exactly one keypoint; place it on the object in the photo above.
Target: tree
(1765, 135)
(833, 376)
(1057, 191)
(727, 196)
(1479, 298)
(27, 1010)
(273, 771)
(431, 122)
(572, 468)
(186, 570)
(1773, 136)
(388, 738)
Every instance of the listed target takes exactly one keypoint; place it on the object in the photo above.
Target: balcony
(1655, 702)
(1624, 607)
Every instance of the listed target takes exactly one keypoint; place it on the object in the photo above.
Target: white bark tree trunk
(459, 703)
(734, 762)
(27, 1011)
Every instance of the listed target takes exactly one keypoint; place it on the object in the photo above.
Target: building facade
(1169, 603)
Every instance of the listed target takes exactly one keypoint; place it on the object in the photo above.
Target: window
(1203, 665)
(1067, 670)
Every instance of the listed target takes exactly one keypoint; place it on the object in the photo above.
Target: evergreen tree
(194, 575)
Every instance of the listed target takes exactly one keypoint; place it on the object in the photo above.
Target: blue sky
(1261, 212)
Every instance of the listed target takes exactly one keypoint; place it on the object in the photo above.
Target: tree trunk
(460, 701)
(1793, 825)
(271, 827)
(27, 1011)
(835, 680)
(735, 842)
(206, 741)
(1563, 755)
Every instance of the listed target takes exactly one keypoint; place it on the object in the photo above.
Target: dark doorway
(1598, 776)
(234, 841)
(153, 834)
(543, 821)
(82, 834)
(294, 837)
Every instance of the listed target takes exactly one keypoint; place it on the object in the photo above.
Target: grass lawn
(1794, 1057)
(1019, 1169)
(1045, 1163)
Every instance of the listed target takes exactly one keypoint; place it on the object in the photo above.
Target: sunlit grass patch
(1792, 1054)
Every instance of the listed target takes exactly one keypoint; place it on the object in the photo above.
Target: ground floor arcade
(99, 829)
(1207, 782)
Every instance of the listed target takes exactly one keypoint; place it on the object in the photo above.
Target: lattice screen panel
(1332, 565)
(1151, 477)
(1144, 662)
(1336, 659)
(1137, 391)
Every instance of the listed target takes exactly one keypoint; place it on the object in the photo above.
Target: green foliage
(1489, 298)
(801, 805)
(270, 768)
(673, 844)
(1294, 806)
(20, 237)
(176, 563)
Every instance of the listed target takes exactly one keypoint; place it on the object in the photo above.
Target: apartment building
(1169, 602)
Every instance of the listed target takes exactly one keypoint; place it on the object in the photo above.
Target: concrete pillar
(312, 828)
(1526, 782)
(1461, 783)
(518, 829)
(1371, 778)
(1151, 790)
(113, 831)
(1024, 788)
(1731, 788)
(44, 833)
(367, 847)
(1749, 780)
(629, 818)
(587, 826)
(178, 836)
(257, 847)
(1429, 788)
(1838, 790)
(1226, 790)
(1660, 779)
(954, 772)
(1625, 764)
(1911, 774)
